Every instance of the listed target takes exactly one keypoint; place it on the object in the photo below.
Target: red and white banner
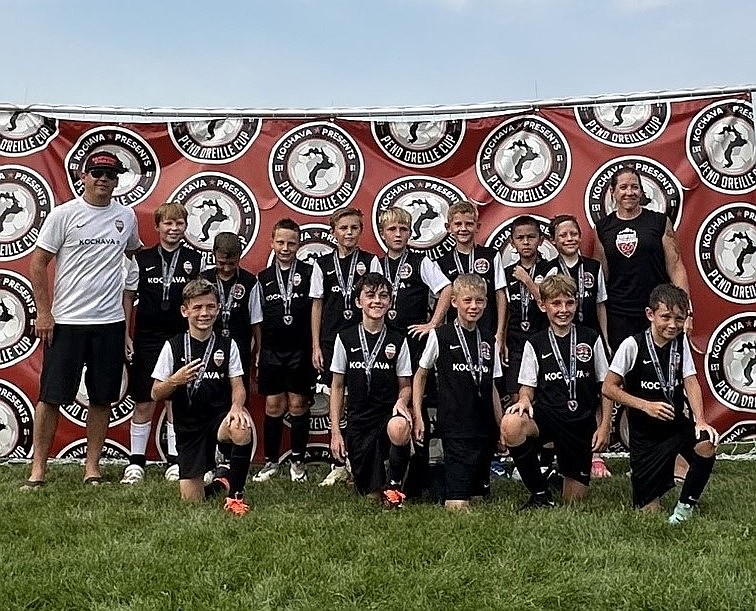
(696, 157)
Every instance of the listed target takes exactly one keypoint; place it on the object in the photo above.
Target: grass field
(305, 547)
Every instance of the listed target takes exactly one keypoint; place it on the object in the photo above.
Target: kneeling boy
(201, 372)
(652, 373)
(560, 375)
(372, 361)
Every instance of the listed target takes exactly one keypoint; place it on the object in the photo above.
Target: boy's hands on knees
(239, 418)
(703, 426)
(400, 409)
(338, 450)
(186, 374)
(659, 410)
(521, 408)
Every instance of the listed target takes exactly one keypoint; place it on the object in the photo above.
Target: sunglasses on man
(109, 174)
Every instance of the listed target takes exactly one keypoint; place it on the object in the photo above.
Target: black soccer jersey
(371, 404)
(487, 264)
(593, 283)
(634, 363)
(635, 258)
(540, 370)
(152, 321)
(284, 332)
(465, 407)
(524, 317)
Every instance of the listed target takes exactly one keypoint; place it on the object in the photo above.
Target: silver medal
(525, 325)
(572, 405)
(347, 314)
(288, 319)
(392, 314)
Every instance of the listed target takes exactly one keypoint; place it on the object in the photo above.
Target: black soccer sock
(224, 447)
(300, 434)
(240, 457)
(272, 429)
(697, 478)
(171, 459)
(214, 488)
(398, 460)
(138, 459)
(525, 457)
(547, 456)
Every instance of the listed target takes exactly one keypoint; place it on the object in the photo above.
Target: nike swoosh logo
(80, 226)
(268, 283)
(333, 271)
(355, 349)
(455, 347)
(545, 356)
(645, 362)
(149, 269)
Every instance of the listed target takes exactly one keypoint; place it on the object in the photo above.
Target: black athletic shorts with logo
(291, 372)
(146, 353)
(572, 442)
(368, 449)
(196, 447)
(467, 467)
(99, 347)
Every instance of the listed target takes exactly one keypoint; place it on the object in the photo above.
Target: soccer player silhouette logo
(13, 121)
(211, 127)
(748, 249)
(5, 313)
(324, 164)
(618, 118)
(218, 216)
(412, 136)
(427, 214)
(526, 153)
(14, 207)
(749, 349)
(736, 141)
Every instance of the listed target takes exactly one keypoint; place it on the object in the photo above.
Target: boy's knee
(705, 449)
(399, 430)
(513, 429)
(240, 437)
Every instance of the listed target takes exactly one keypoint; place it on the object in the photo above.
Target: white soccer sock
(170, 437)
(140, 435)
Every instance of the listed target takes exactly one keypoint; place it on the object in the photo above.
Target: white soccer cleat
(338, 474)
(266, 473)
(298, 472)
(682, 512)
(133, 474)
(172, 473)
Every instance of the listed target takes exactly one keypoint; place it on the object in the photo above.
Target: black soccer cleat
(540, 500)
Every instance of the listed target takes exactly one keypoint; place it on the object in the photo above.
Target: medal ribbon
(668, 383)
(395, 281)
(346, 287)
(369, 356)
(477, 376)
(287, 292)
(226, 300)
(581, 283)
(470, 262)
(191, 387)
(168, 271)
(570, 377)
(525, 294)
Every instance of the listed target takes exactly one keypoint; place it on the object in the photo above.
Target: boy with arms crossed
(372, 362)
(467, 361)
(201, 372)
(285, 374)
(163, 271)
(652, 373)
(332, 289)
(560, 374)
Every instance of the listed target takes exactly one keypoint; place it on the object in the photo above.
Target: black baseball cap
(104, 160)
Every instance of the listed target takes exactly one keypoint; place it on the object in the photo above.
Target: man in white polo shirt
(83, 323)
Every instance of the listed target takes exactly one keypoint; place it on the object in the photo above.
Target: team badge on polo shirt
(583, 352)
(390, 351)
(481, 266)
(296, 279)
(485, 350)
(188, 267)
(588, 280)
(238, 291)
(360, 268)
(119, 225)
(218, 358)
(627, 242)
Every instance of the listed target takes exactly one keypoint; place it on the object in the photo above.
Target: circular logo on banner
(524, 162)
(315, 241)
(745, 430)
(77, 450)
(499, 239)
(624, 125)
(721, 146)
(214, 140)
(16, 422)
(18, 312)
(726, 245)
(419, 144)
(316, 168)
(214, 203)
(23, 133)
(661, 191)
(25, 201)
(140, 161)
(730, 362)
(120, 411)
(427, 199)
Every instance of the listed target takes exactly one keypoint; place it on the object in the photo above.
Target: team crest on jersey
(721, 146)
(726, 252)
(315, 241)
(525, 161)
(18, 313)
(119, 225)
(390, 351)
(16, 422)
(188, 267)
(215, 140)
(419, 144)
(141, 163)
(360, 268)
(316, 168)
(661, 191)
(624, 125)
(485, 350)
(218, 358)
(405, 271)
(481, 266)
(25, 201)
(120, 411)
(499, 239)
(238, 291)
(583, 352)
(627, 241)
(296, 279)
(217, 202)
(730, 362)
(588, 280)
(77, 450)
(24, 133)
(427, 200)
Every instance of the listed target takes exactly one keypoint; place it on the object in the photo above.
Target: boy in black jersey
(467, 361)
(560, 375)
(201, 372)
(285, 374)
(163, 271)
(652, 373)
(372, 362)
(524, 317)
(332, 289)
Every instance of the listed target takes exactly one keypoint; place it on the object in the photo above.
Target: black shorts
(467, 467)
(572, 442)
(368, 450)
(291, 372)
(326, 376)
(196, 448)
(99, 347)
(142, 365)
(621, 326)
(652, 463)
(512, 373)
